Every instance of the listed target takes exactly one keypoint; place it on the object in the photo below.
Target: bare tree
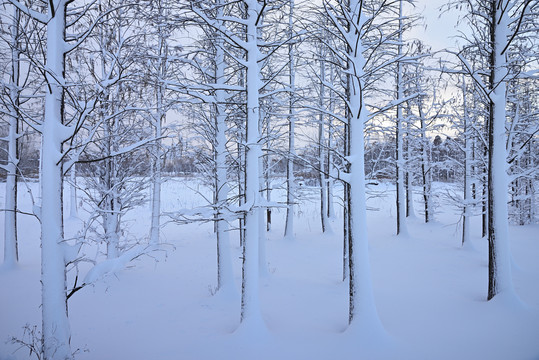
(498, 28)
(353, 22)
(12, 102)
(241, 29)
(290, 179)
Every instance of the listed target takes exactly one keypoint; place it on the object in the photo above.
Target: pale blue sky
(440, 30)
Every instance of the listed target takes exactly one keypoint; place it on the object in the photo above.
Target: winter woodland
(252, 179)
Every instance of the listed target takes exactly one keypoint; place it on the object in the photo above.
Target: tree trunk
(158, 128)
(290, 179)
(500, 279)
(55, 327)
(466, 214)
(426, 176)
(73, 213)
(484, 195)
(322, 165)
(11, 254)
(399, 152)
(225, 275)
(410, 212)
(362, 308)
(250, 303)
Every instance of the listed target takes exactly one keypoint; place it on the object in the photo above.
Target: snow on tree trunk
(160, 118)
(322, 177)
(484, 193)
(346, 185)
(500, 279)
(466, 213)
(267, 178)
(426, 176)
(410, 212)
(251, 316)
(402, 228)
(290, 179)
(111, 224)
(110, 206)
(329, 156)
(225, 276)
(362, 306)
(262, 262)
(73, 213)
(362, 311)
(55, 325)
(322, 158)
(11, 256)
(262, 228)
(156, 184)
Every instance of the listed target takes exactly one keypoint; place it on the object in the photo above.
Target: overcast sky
(440, 27)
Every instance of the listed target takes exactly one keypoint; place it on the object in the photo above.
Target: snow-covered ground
(430, 292)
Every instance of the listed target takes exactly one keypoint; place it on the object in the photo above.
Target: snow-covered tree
(210, 91)
(425, 110)
(290, 178)
(352, 21)
(402, 227)
(241, 28)
(67, 108)
(522, 145)
(115, 184)
(498, 30)
(161, 47)
(55, 328)
(11, 103)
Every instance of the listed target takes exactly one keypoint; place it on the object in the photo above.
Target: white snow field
(430, 293)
